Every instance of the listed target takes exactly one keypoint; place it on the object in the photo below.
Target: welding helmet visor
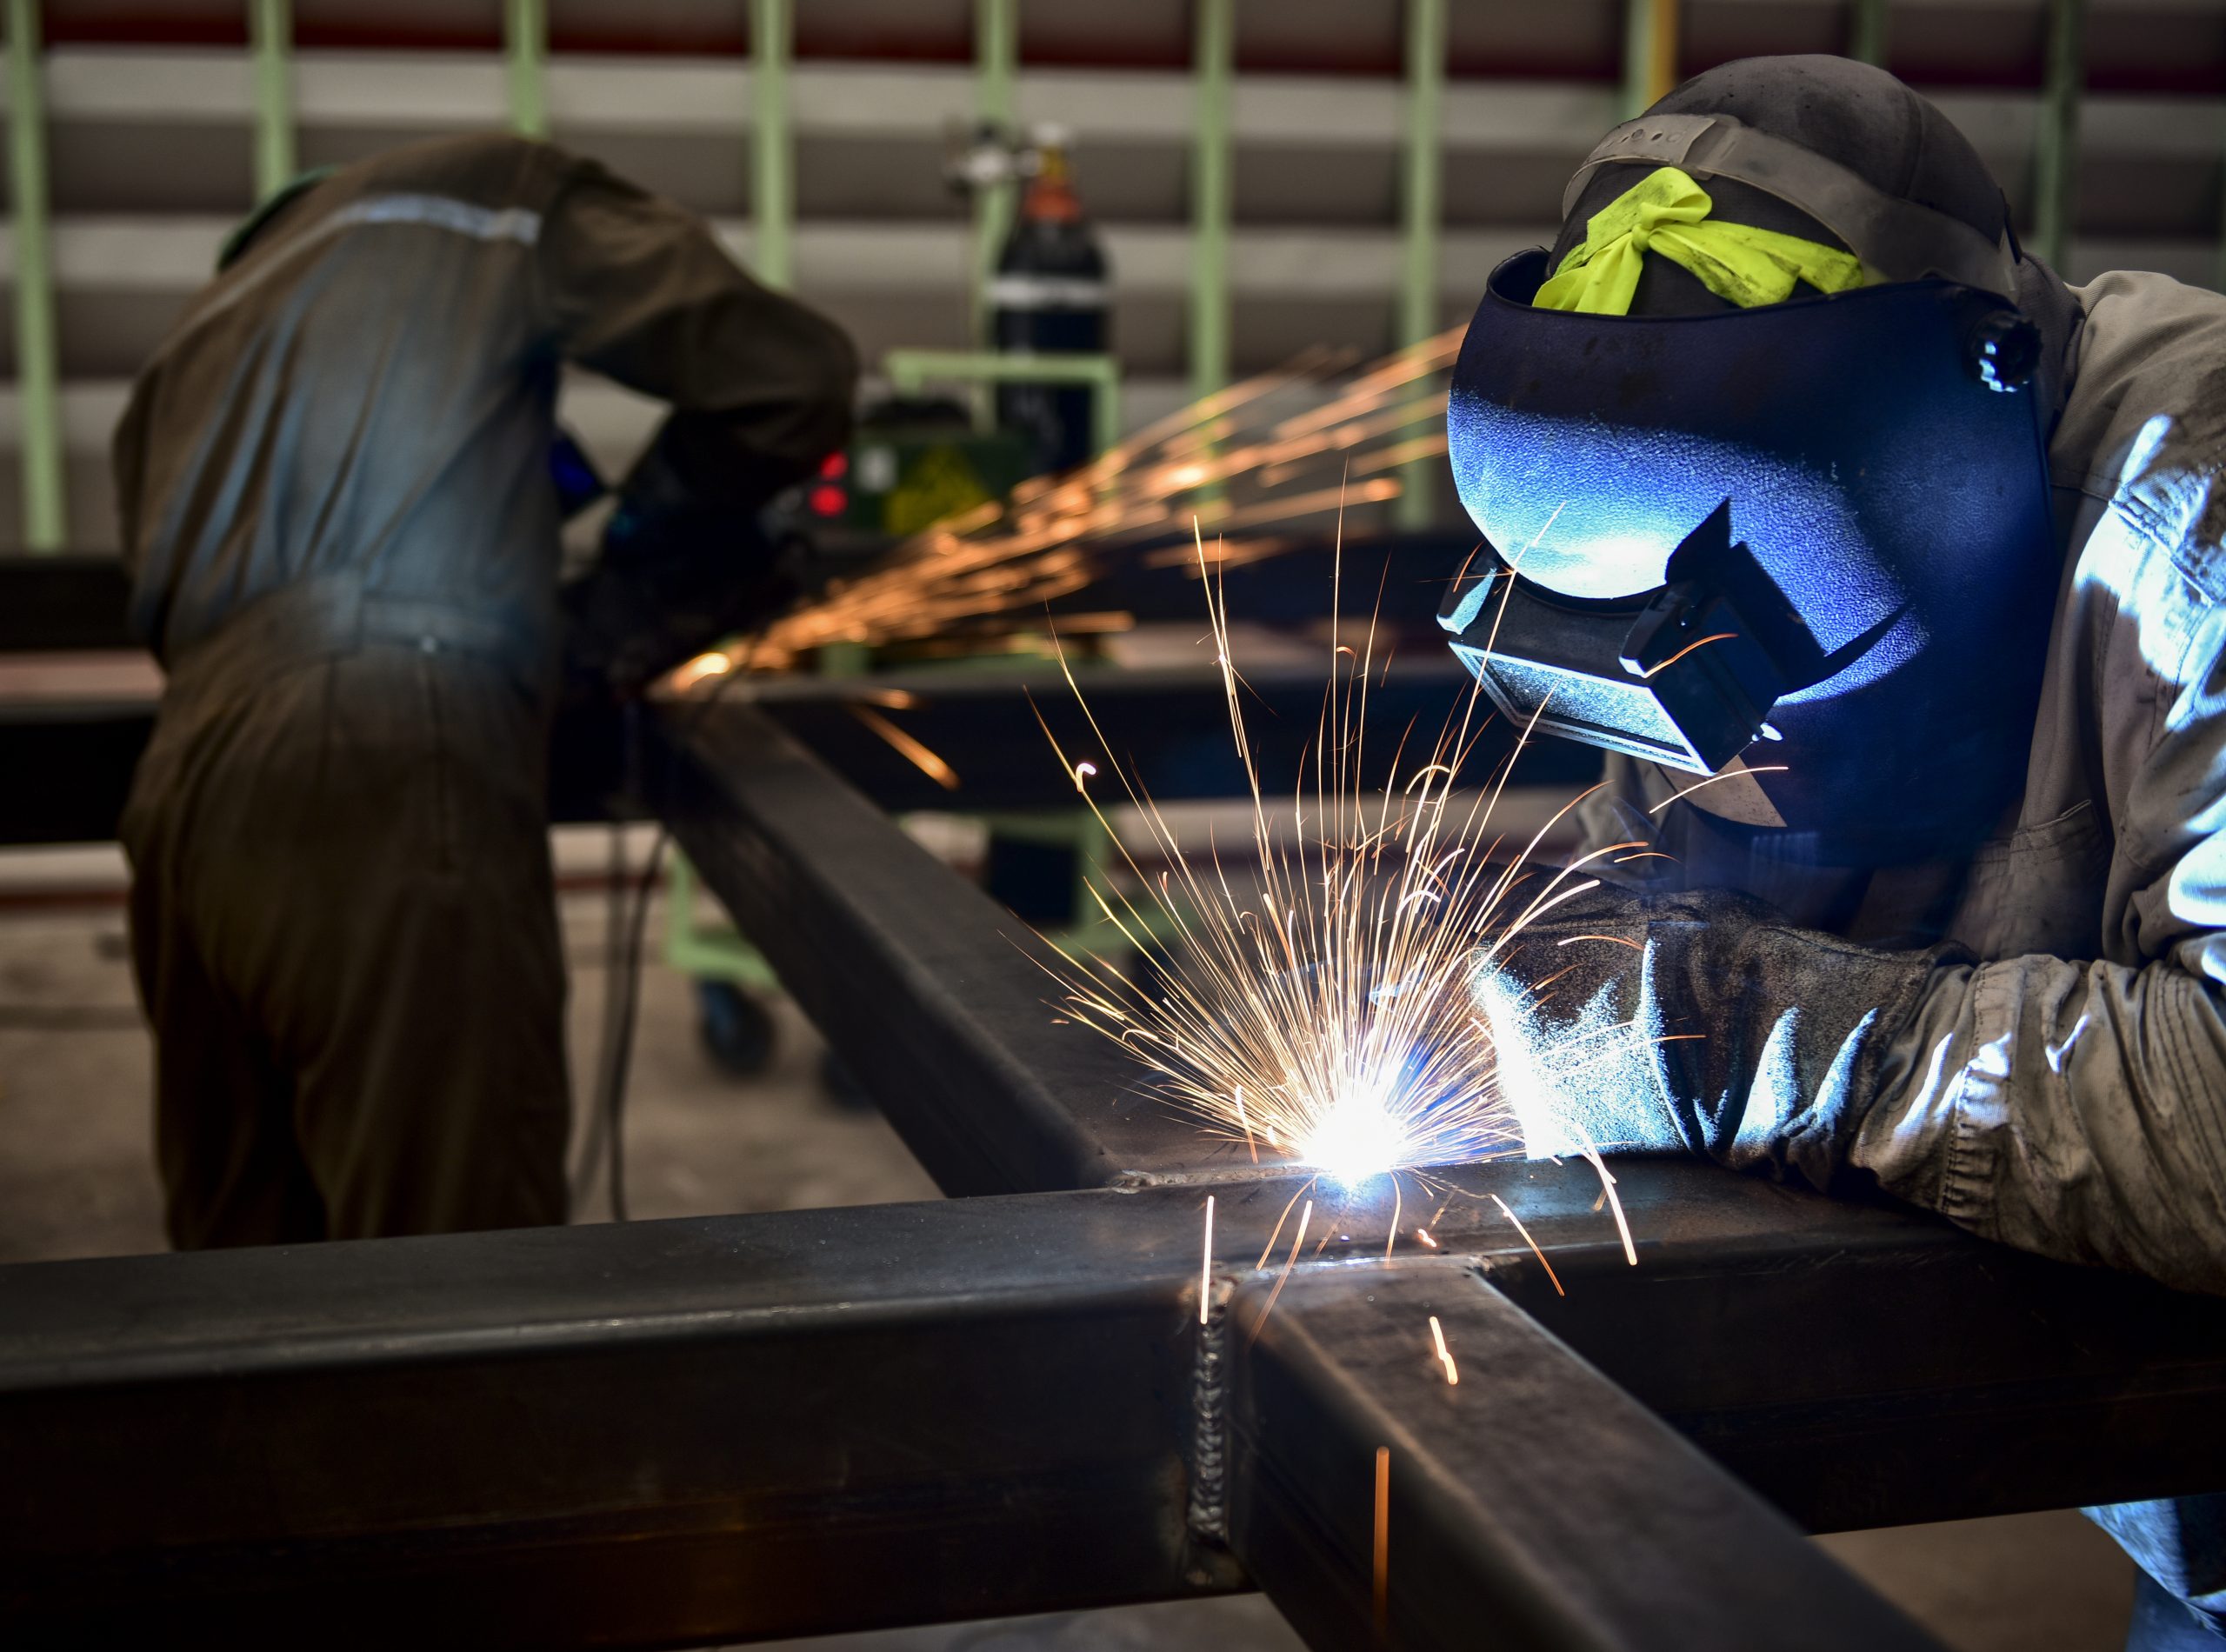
(1822, 525)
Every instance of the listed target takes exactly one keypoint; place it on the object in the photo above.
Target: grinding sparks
(927, 762)
(1445, 1354)
(702, 667)
(1259, 454)
(1318, 1001)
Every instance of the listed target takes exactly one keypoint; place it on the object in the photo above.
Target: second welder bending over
(334, 484)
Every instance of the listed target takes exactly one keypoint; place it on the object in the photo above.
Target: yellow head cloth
(1666, 212)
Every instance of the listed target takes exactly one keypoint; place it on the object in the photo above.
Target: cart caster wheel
(842, 1085)
(736, 1030)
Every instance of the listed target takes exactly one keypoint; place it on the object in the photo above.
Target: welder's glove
(1700, 1021)
(686, 560)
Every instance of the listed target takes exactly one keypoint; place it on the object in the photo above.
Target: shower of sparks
(1265, 453)
(1445, 1354)
(1320, 1003)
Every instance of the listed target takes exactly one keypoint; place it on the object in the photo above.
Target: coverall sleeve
(2078, 1108)
(641, 291)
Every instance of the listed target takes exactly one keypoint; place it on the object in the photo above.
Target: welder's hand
(1700, 1021)
(662, 593)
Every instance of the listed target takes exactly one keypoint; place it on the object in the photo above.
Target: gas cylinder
(1049, 293)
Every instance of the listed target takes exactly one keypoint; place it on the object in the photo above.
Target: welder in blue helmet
(339, 509)
(1890, 571)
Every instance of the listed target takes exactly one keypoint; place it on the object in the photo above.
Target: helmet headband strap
(1897, 240)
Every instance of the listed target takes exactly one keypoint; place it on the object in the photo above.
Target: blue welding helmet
(1810, 539)
(1823, 526)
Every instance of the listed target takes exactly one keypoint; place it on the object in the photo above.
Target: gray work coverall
(336, 500)
(2066, 1093)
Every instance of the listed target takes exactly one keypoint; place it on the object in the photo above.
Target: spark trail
(1317, 1004)
(1258, 455)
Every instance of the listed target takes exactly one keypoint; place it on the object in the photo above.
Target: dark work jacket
(365, 399)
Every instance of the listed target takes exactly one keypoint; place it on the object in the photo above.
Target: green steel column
(526, 36)
(1213, 72)
(2056, 149)
(38, 392)
(1418, 294)
(773, 209)
(1650, 53)
(997, 62)
(270, 28)
(1867, 41)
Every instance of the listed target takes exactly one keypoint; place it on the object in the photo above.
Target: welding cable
(626, 924)
(625, 929)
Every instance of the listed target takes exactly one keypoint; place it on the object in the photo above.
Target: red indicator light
(835, 466)
(828, 500)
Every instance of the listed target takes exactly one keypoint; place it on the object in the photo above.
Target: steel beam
(665, 1434)
(678, 1432)
(937, 998)
(1504, 1493)
(83, 750)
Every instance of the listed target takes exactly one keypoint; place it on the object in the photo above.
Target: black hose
(625, 928)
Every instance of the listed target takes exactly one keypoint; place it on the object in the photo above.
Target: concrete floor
(76, 1181)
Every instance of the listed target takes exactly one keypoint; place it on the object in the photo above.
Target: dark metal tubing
(80, 600)
(678, 1432)
(1173, 724)
(1534, 1506)
(673, 1433)
(1861, 1377)
(1861, 1366)
(1169, 730)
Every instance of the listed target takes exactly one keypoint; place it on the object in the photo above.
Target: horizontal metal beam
(937, 997)
(80, 600)
(672, 1433)
(1174, 723)
(1171, 723)
(1863, 1375)
(679, 1432)
(1503, 1493)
